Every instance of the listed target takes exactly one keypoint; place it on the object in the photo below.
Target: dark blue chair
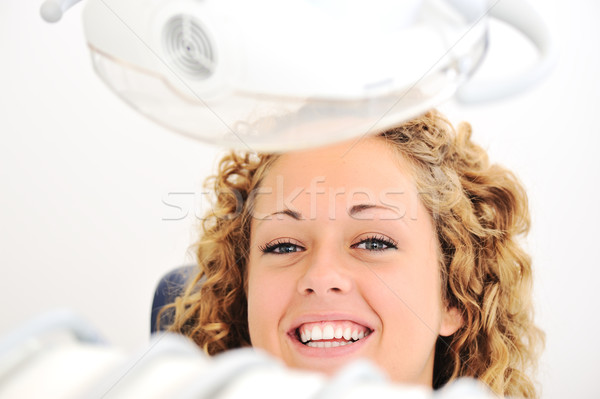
(169, 287)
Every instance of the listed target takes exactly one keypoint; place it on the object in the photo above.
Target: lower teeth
(327, 344)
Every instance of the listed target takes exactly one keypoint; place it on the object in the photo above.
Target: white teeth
(339, 332)
(347, 334)
(328, 332)
(326, 344)
(316, 333)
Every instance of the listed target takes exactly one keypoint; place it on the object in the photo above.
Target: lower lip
(344, 350)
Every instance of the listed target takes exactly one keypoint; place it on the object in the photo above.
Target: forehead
(368, 171)
(368, 162)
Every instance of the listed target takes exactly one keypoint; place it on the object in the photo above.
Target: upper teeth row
(328, 332)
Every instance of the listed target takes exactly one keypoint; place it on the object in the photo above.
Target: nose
(325, 274)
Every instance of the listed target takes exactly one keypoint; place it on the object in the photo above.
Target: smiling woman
(401, 248)
(357, 279)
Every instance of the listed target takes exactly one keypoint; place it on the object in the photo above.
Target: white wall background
(82, 179)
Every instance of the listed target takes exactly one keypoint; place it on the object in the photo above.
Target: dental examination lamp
(272, 75)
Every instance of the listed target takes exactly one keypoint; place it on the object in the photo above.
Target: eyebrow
(364, 207)
(293, 214)
(355, 209)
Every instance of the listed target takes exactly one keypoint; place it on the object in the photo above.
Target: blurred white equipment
(275, 75)
(58, 356)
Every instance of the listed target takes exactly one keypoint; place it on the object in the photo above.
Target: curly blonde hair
(480, 212)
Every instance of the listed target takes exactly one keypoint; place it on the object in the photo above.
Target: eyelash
(388, 242)
(271, 247)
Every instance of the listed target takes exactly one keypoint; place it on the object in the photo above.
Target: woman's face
(344, 264)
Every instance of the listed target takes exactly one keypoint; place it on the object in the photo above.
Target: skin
(356, 248)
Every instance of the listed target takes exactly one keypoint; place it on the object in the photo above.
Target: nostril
(320, 279)
(334, 290)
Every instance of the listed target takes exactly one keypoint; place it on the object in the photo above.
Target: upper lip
(317, 317)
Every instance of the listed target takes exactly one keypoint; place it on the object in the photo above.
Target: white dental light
(275, 75)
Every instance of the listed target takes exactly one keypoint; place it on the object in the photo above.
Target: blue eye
(376, 243)
(281, 247)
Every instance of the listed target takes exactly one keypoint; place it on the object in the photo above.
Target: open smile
(330, 334)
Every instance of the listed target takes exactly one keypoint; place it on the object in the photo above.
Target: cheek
(421, 287)
(267, 301)
(409, 304)
(410, 313)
